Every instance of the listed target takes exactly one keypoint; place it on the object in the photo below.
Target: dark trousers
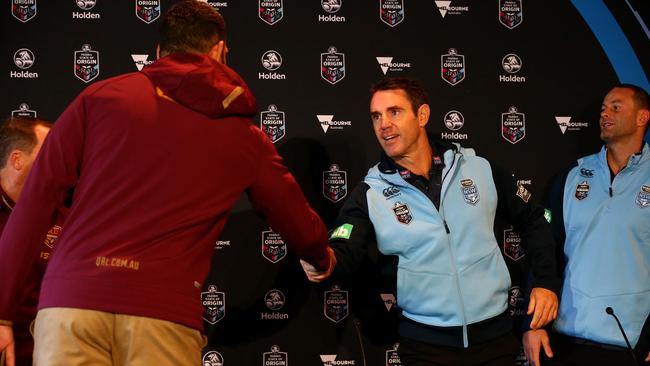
(573, 352)
(497, 352)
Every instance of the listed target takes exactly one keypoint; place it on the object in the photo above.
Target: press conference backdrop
(520, 81)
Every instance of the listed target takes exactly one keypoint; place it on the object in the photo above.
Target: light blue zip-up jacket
(450, 272)
(607, 248)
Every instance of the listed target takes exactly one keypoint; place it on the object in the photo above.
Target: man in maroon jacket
(157, 159)
(20, 141)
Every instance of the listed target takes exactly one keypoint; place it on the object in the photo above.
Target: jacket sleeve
(353, 232)
(528, 220)
(54, 173)
(276, 195)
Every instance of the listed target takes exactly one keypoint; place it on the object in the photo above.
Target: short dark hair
(17, 133)
(413, 88)
(191, 26)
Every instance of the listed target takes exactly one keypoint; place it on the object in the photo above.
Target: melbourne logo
(271, 60)
(24, 58)
(564, 123)
(23, 111)
(388, 300)
(582, 191)
(272, 123)
(214, 305)
(332, 65)
(141, 61)
(335, 186)
(444, 7)
(470, 191)
(147, 10)
(391, 12)
(392, 357)
(217, 5)
(273, 247)
(86, 64)
(336, 304)
(275, 357)
(643, 197)
(23, 10)
(402, 213)
(270, 11)
(513, 125)
(212, 358)
(386, 64)
(452, 67)
(512, 245)
(327, 121)
(511, 13)
(330, 360)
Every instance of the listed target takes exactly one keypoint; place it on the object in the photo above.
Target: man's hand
(533, 339)
(317, 276)
(647, 359)
(7, 344)
(543, 303)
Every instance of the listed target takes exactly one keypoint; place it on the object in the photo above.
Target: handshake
(313, 274)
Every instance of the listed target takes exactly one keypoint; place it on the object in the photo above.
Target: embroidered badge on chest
(643, 197)
(582, 191)
(470, 191)
(402, 213)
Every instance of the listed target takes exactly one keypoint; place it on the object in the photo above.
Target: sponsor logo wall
(500, 80)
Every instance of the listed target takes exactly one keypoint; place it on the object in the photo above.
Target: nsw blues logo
(214, 305)
(273, 247)
(86, 64)
(272, 123)
(402, 213)
(643, 197)
(335, 186)
(23, 10)
(271, 11)
(452, 67)
(470, 191)
(332, 65)
(391, 12)
(511, 13)
(336, 304)
(582, 191)
(147, 10)
(513, 125)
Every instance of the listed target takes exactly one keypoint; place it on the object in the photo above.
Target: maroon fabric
(154, 180)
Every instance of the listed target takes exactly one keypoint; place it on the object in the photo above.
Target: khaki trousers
(69, 337)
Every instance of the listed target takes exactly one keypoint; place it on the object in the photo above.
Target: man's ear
(423, 115)
(642, 117)
(218, 52)
(16, 159)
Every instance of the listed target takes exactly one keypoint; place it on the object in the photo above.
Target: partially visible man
(20, 141)
(157, 159)
(600, 215)
(433, 205)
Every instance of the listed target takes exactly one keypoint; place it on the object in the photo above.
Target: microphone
(610, 311)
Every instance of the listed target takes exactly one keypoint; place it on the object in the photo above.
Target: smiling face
(398, 128)
(620, 118)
